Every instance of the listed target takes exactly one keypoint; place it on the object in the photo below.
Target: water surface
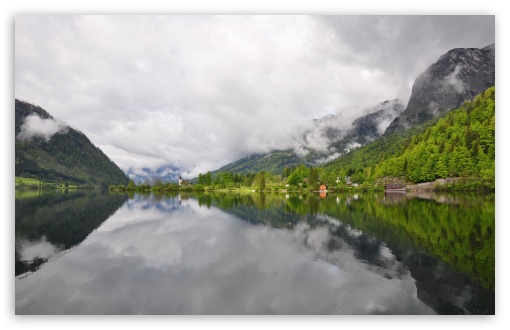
(100, 253)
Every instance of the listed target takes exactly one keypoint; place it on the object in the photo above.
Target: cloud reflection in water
(162, 256)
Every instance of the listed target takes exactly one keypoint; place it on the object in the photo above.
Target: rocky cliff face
(457, 76)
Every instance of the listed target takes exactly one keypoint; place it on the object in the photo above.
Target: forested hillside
(66, 156)
(462, 144)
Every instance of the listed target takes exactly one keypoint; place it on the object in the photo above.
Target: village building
(184, 183)
(394, 187)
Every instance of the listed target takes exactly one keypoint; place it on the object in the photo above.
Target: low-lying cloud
(37, 127)
(453, 80)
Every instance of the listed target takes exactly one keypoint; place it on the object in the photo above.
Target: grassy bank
(31, 183)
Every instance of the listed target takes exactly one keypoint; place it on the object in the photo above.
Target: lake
(96, 252)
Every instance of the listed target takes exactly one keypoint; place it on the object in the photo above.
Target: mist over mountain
(367, 128)
(164, 173)
(456, 77)
(330, 137)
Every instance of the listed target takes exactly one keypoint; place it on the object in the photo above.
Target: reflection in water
(446, 240)
(54, 221)
(291, 254)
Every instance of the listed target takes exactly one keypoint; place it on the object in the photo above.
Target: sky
(199, 92)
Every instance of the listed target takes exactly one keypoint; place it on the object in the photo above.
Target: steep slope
(460, 145)
(51, 151)
(456, 77)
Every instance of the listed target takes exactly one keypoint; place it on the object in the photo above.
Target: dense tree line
(462, 144)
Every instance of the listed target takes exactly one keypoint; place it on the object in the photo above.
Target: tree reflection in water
(447, 241)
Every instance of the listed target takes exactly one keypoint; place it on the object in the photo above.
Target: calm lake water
(92, 252)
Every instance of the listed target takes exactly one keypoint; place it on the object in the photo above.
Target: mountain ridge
(52, 151)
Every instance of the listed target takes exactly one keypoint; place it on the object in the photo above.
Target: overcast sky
(198, 92)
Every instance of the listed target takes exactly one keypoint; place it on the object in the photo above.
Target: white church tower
(180, 180)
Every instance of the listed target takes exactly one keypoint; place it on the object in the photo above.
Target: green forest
(462, 144)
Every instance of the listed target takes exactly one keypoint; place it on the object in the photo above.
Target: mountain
(49, 150)
(456, 77)
(330, 133)
(165, 173)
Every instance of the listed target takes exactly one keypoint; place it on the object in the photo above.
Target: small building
(323, 188)
(395, 187)
(184, 183)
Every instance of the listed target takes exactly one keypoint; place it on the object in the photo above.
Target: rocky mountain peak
(456, 77)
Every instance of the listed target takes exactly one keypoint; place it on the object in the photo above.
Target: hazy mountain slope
(367, 128)
(49, 150)
(326, 133)
(456, 77)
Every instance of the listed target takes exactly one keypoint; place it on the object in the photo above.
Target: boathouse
(394, 187)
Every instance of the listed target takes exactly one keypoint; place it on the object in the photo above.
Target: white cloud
(35, 126)
(453, 80)
(199, 92)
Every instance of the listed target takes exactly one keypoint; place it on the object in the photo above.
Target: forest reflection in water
(290, 253)
(446, 240)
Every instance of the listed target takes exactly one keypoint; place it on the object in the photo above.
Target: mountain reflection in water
(276, 254)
